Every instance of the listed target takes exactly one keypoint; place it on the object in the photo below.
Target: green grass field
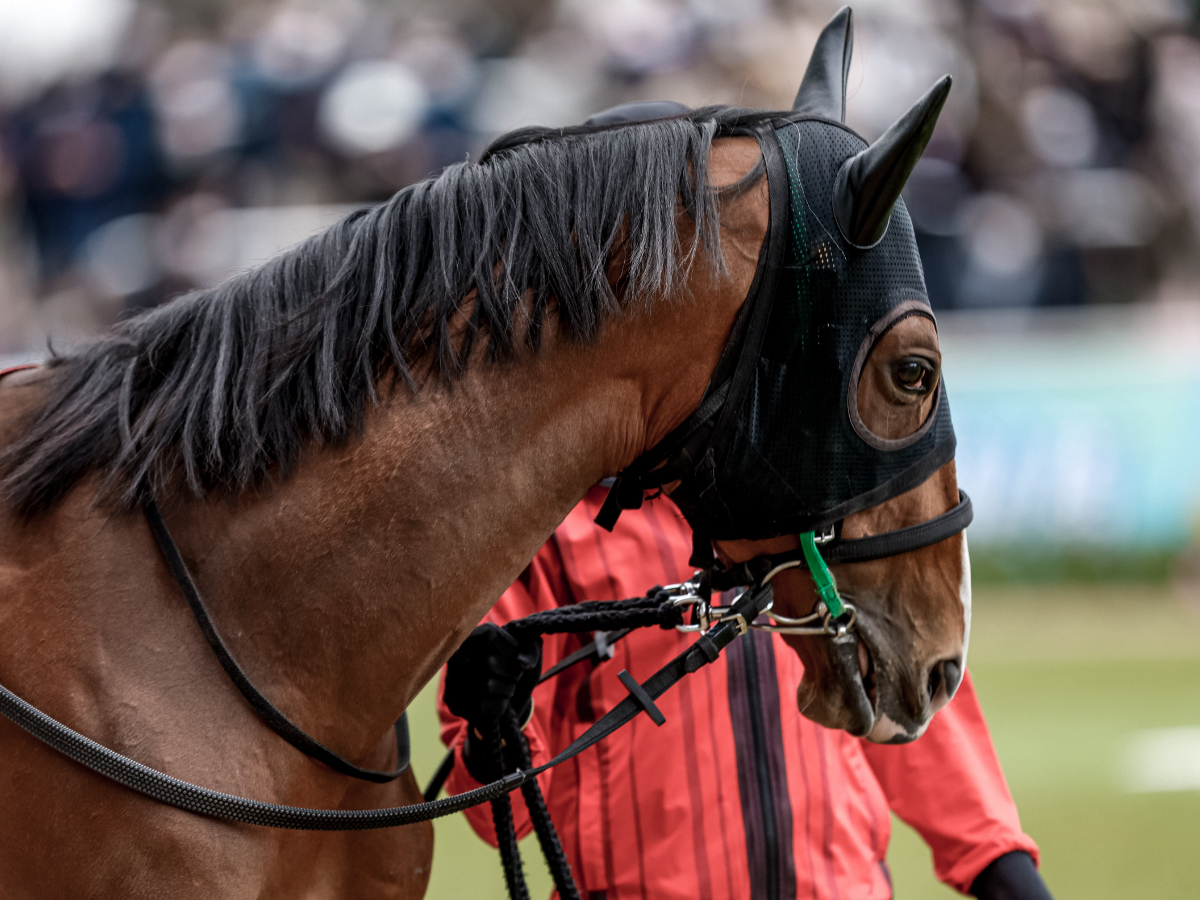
(1069, 677)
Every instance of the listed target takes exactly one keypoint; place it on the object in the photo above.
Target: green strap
(822, 577)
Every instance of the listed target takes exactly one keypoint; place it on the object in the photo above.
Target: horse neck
(344, 588)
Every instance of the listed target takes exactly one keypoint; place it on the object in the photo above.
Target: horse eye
(913, 375)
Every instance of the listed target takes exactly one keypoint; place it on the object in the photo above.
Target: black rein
(280, 724)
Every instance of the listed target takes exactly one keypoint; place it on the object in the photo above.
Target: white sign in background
(1078, 426)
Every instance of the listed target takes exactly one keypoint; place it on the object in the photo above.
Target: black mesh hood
(791, 459)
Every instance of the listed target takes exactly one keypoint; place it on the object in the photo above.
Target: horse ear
(823, 90)
(869, 183)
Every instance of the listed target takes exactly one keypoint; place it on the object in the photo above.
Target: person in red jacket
(737, 795)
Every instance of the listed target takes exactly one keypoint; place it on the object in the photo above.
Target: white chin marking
(964, 596)
(886, 730)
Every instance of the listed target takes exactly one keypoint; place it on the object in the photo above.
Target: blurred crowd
(148, 148)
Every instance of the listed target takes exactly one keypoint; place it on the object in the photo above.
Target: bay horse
(358, 447)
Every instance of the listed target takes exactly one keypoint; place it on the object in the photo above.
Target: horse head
(834, 418)
(863, 283)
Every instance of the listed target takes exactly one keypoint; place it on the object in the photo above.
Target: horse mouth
(866, 671)
(854, 669)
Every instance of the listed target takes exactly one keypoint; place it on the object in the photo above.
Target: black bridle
(711, 421)
(836, 549)
(699, 434)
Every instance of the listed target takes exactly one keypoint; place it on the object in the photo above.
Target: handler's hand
(489, 674)
(1012, 876)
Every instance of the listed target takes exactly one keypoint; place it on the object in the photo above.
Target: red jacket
(717, 802)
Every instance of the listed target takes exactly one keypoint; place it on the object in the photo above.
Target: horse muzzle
(874, 692)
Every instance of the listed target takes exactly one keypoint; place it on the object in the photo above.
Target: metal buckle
(829, 534)
(817, 623)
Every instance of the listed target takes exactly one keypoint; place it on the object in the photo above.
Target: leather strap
(902, 540)
(196, 799)
(763, 290)
(699, 440)
(594, 649)
(854, 550)
(280, 724)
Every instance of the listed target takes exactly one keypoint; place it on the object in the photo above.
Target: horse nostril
(935, 680)
(952, 674)
(948, 674)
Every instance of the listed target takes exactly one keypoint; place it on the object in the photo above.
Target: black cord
(279, 723)
(193, 798)
(506, 831)
(552, 851)
(655, 608)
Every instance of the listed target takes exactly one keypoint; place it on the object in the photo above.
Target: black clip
(639, 694)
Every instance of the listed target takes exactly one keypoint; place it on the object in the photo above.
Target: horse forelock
(219, 388)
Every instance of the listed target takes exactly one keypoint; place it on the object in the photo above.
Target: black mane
(219, 387)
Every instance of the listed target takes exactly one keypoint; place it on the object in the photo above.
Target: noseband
(833, 616)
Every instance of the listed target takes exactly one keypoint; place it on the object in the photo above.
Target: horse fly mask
(778, 446)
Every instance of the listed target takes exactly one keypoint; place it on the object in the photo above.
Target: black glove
(489, 674)
(1012, 876)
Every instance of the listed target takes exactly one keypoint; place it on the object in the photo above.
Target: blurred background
(150, 148)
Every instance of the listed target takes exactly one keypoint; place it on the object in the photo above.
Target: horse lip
(843, 657)
(869, 673)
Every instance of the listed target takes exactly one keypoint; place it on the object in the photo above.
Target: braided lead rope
(204, 801)
(552, 850)
(193, 798)
(655, 608)
(507, 745)
(502, 820)
(539, 813)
